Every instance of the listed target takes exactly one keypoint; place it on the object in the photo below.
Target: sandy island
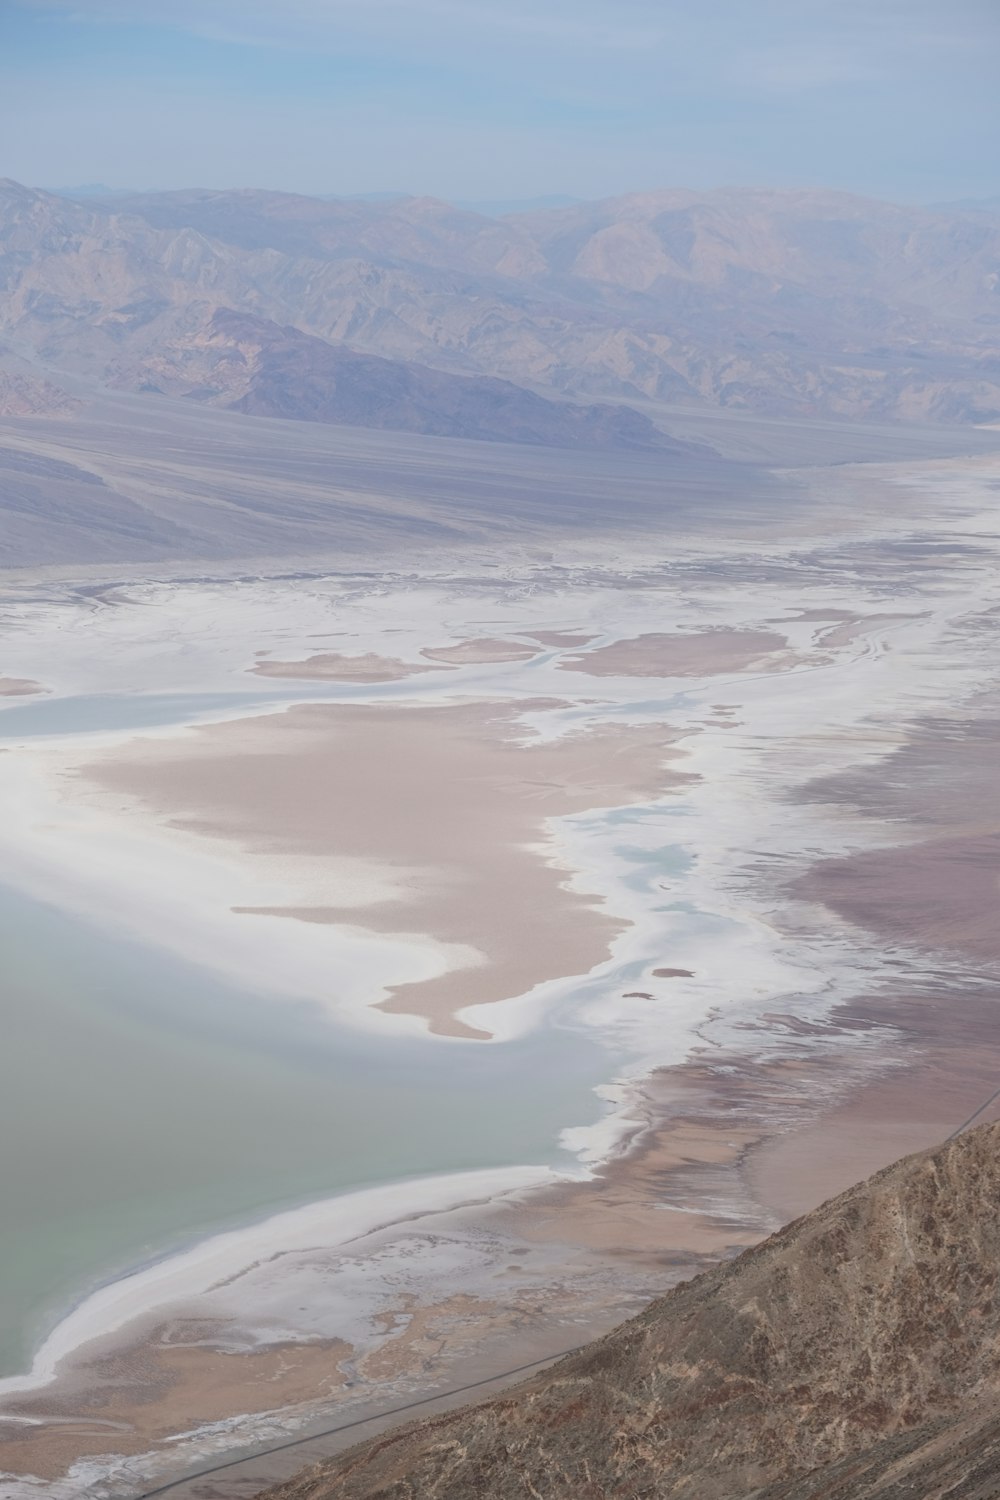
(480, 652)
(450, 801)
(702, 653)
(333, 666)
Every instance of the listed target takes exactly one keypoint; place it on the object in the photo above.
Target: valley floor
(452, 958)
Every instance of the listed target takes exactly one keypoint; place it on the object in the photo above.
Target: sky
(498, 99)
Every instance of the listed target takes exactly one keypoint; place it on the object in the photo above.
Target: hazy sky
(503, 98)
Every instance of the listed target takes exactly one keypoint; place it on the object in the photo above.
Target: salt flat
(638, 750)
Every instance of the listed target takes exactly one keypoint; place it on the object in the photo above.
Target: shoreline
(713, 1145)
(757, 1007)
(175, 1276)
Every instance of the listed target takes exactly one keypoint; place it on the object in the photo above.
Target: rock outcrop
(855, 1353)
(254, 366)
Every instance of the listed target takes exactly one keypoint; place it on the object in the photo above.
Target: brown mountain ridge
(855, 1353)
(252, 365)
(797, 303)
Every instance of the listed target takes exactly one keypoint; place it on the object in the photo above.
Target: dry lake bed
(410, 970)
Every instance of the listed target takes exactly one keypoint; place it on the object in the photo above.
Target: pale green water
(143, 1103)
(43, 717)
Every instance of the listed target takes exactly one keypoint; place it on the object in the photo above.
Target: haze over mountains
(797, 303)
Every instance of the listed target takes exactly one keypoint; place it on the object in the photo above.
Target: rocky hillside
(24, 396)
(252, 365)
(856, 1353)
(793, 302)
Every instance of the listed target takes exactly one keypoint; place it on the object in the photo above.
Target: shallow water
(94, 712)
(143, 1103)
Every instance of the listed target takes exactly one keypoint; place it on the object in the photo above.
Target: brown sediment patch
(939, 890)
(333, 666)
(673, 973)
(18, 687)
(420, 1330)
(941, 780)
(937, 894)
(559, 638)
(947, 1065)
(480, 652)
(447, 800)
(673, 1201)
(137, 1400)
(700, 654)
(129, 1400)
(725, 1150)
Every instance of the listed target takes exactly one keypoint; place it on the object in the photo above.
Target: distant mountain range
(787, 302)
(493, 208)
(971, 205)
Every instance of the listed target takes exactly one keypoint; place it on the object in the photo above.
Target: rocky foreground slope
(856, 1353)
